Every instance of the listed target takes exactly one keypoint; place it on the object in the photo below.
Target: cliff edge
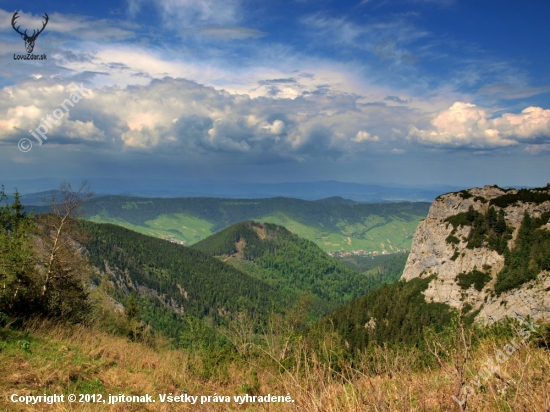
(489, 249)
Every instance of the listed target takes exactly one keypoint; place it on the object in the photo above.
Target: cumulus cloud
(532, 122)
(466, 125)
(179, 116)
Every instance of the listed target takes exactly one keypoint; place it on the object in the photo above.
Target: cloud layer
(171, 115)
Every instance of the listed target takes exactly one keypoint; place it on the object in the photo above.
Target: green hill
(334, 224)
(288, 262)
(169, 281)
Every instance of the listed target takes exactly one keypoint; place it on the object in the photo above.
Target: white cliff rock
(432, 254)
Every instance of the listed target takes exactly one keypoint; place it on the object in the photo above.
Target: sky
(402, 92)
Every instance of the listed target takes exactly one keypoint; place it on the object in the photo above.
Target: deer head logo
(29, 40)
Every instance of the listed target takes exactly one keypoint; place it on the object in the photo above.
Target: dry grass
(59, 359)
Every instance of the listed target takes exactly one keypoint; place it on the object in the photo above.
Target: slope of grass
(374, 234)
(65, 360)
(187, 229)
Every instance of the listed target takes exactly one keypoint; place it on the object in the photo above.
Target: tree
(16, 256)
(63, 268)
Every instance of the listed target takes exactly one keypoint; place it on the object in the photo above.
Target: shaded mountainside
(333, 224)
(170, 280)
(292, 264)
(488, 250)
(395, 313)
(383, 268)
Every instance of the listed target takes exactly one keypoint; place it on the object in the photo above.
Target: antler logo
(29, 40)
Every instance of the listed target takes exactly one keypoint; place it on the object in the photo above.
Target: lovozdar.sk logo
(29, 40)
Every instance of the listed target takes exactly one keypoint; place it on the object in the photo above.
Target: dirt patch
(260, 230)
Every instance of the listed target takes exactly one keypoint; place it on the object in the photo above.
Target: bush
(475, 277)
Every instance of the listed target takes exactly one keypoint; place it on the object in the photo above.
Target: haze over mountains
(314, 190)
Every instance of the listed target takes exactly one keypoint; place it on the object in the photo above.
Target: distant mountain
(336, 200)
(301, 190)
(288, 262)
(334, 224)
(241, 190)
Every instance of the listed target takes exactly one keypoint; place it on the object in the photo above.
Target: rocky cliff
(488, 250)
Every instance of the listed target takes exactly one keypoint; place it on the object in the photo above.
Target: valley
(334, 224)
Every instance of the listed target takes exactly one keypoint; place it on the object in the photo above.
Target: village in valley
(361, 252)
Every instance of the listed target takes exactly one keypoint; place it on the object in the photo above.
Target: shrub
(475, 277)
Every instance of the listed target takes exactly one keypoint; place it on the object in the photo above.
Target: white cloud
(363, 136)
(466, 125)
(532, 122)
(176, 115)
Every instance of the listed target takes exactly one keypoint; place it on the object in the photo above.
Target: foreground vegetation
(42, 357)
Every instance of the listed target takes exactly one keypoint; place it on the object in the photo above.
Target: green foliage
(170, 279)
(18, 287)
(475, 277)
(289, 263)
(25, 345)
(392, 314)
(381, 269)
(41, 272)
(536, 195)
(328, 224)
(488, 229)
(197, 335)
(531, 254)
(465, 194)
(463, 218)
(452, 240)
(455, 255)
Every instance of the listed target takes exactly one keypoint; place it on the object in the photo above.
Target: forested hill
(333, 224)
(272, 253)
(395, 313)
(170, 280)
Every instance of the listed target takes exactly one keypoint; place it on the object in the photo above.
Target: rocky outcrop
(440, 249)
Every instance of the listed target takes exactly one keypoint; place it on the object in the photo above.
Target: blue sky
(411, 92)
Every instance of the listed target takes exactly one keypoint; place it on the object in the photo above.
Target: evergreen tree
(16, 258)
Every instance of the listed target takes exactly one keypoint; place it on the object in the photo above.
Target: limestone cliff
(469, 266)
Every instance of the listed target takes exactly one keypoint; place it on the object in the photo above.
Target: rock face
(433, 254)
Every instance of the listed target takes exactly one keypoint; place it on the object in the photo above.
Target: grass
(76, 359)
(374, 234)
(182, 227)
